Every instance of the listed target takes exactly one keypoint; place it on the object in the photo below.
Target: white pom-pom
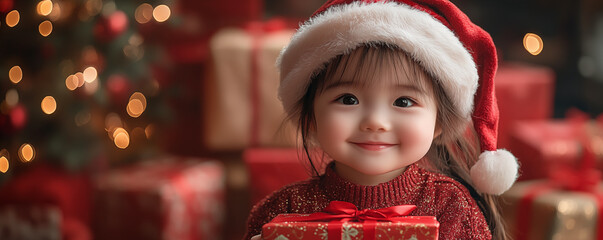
(495, 171)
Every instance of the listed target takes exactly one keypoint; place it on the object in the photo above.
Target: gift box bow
(339, 212)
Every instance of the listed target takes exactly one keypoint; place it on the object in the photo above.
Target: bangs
(360, 66)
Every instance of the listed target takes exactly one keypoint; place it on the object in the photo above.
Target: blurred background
(159, 119)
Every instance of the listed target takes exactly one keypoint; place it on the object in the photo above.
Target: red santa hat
(460, 55)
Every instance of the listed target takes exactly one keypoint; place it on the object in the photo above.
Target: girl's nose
(375, 120)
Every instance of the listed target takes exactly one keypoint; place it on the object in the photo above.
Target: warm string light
(3, 164)
(12, 18)
(121, 138)
(533, 43)
(90, 74)
(27, 152)
(71, 82)
(4, 157)
(15, 74)
(49, 105)
(45, 28)
(161, 13)
(144, 13)
(136, 105)
(44, 7)
(80, 79)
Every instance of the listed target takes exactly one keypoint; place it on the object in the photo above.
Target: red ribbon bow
(338, 212)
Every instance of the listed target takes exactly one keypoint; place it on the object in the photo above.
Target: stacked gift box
(167, 198)
(559, 194)
(240, 103)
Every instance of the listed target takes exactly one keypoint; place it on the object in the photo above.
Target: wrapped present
(523, 92)
(161, 199)
(341, 220)
(240, 103)
(272, 168)
(536, 210)
(542, 146)
(31, 222)
(46, 192)
(566, 205)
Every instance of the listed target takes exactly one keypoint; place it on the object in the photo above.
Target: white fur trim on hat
(344, 27)
(494, 172)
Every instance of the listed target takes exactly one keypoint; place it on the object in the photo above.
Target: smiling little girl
(388, 90)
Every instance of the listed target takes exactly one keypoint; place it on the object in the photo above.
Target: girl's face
(375, 130)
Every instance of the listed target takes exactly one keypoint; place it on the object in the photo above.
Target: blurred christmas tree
(76, 83)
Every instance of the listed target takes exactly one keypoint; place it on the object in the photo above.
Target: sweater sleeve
(459, 215)
(265, 210)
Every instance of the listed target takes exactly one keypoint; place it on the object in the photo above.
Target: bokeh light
(80, 78)
(44, 7)
(136, 105)
(4, 158)
(15, 74)
(12, 18)
(27, 152)
(121, 138)
(90, 74)
(161, 13)
(12, 97)
(533, 43)
(71, 82)
(49, 105)
(144, 13)
(3, 164)
(45, 28)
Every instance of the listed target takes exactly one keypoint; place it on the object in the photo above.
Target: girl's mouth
(374, 146)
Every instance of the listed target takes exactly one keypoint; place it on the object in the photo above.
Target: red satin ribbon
(338, 212)
(256, 29)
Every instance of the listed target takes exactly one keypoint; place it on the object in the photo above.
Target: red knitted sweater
(433, 194)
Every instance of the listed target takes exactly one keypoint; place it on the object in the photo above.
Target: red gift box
(544, 146)
(341, 220)
(523, 92)
(272, 168)
(30, 222)
(240, 103)
(161, 199)
(43, 188)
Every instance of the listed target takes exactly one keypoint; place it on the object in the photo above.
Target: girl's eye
(348, 99)
(404, 102)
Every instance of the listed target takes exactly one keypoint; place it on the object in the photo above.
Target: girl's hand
(256, 237)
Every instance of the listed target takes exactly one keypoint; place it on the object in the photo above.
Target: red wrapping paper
(31, 222)
(43, 186)
(342, 220)
(543, 146)
(161, 199)
(411, 228)
(272, 168)
(523, 92)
